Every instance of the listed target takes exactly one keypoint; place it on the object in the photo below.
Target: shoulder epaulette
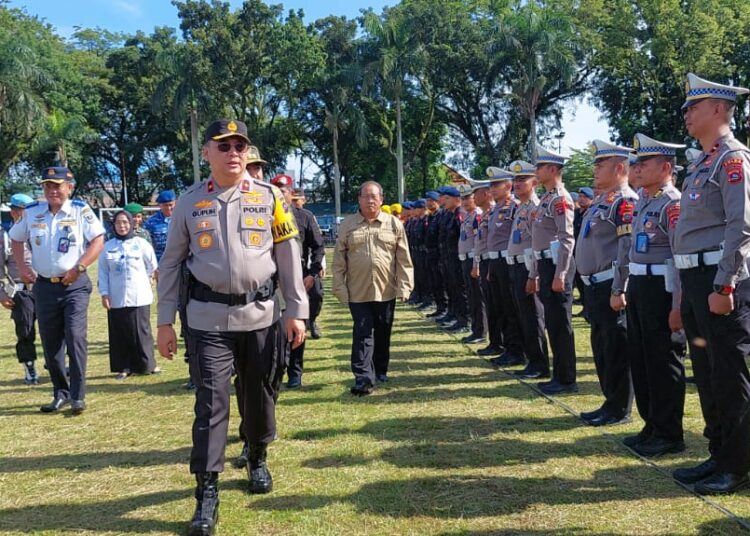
(79, 203)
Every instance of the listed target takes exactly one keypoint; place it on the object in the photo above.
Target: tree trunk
(532, 135)
(194, 144)
(336, 174)
(399, 153)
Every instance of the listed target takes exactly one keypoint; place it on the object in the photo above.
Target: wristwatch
(81, 268)
(616, 292)
(724, 291)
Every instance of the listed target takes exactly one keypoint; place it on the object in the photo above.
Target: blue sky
(132, 15)
(581, 122)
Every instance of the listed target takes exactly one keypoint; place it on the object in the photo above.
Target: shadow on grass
(725, 525)
(461, 497)
(89, 461)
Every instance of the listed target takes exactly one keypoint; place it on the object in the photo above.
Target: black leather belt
(203, 293)
(54, 280)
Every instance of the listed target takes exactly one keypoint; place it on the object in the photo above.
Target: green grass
(449, 447)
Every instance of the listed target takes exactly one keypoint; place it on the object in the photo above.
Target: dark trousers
(62, 312)
(296, 361)
(494, 327)
(656, 365)
(475, 299)
(436, 281)
(371, 338)
(131, 343)
(609, 344)
(457, 293)
(530, 320)
(315, 298)
(260, 358)
(721, 374)
(559, 323)
(503, 306)
(24, 316)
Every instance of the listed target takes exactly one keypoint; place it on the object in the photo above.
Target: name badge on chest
(516, 237)
(641, 243)
(63, 245)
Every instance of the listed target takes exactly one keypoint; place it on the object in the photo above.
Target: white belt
(462, 257)
(598, 277)
(485, 256)
(19, 287)
(544, 254)
(504, 254)
(637, 268)
(493, 255)
(693, 260)
(514, 259)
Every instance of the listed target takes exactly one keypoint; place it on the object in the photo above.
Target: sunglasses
(225, 146)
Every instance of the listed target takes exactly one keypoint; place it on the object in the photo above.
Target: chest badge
(205, 240)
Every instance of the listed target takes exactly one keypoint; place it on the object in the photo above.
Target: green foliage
(579, 169)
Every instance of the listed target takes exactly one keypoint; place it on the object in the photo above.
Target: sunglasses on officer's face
(225, 146)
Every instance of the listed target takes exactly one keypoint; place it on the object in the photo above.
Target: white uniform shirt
(125, 268)
(57, 240)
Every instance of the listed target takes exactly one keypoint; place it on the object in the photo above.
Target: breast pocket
(696, 193)
(39, 237)
(205, 241)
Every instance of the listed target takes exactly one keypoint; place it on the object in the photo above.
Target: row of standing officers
(497, 260)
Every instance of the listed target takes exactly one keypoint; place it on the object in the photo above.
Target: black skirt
(131, 344)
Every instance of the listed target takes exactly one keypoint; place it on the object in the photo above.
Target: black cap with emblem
(57, 174)
(226, 128)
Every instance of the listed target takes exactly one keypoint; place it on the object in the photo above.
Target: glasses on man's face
(225, 146)
(369, 196)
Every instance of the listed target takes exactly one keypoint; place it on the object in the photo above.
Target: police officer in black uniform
(312, 253)
(432, 255)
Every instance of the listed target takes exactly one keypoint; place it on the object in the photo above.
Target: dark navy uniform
(432, 258)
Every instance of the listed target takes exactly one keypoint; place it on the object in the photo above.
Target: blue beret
(588, 192)
(433, 195)
(20, 200)
(419, 203)
(451, 191)
(407, 205)
(574, 196)
(166, 196)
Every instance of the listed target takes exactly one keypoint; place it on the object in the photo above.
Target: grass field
(450, 446)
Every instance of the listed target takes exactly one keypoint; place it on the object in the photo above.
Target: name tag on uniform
(516, 236)
(641, 243)
(63, 245)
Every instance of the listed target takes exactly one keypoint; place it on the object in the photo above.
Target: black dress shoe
(473, 339)
(509, 359)
(588, 415)
(606, 419)
(56, 405)
(691, 475)
(530, 374)
(294, 382)
(656, 446)
(257, 470)
(78, 406)
(556, 388)
(640, 437)
(439, 312)
(446, 320)
(361, 388)
(721, 484)
(206, 515)
(241, 460)
(489, 350)
(458, 327)
(424, 306)
(315, 331)
(381, 378)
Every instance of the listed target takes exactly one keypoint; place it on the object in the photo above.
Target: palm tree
(60, 129)
(181, 90)
(536, 51)
(397, 58)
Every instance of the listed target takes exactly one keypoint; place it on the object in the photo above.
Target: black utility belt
(203, 293)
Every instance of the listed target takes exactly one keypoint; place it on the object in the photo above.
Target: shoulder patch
(79, 203)
(284, 226)
(673, 214)
(733, 167)
(561, 205)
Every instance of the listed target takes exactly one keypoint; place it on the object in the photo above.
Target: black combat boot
(206, 515)
(257, 470)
